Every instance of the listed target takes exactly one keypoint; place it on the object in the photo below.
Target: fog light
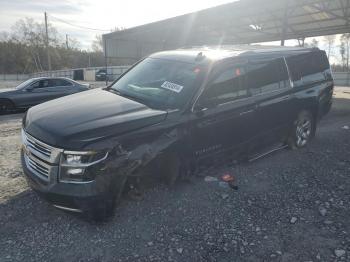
(75, 171)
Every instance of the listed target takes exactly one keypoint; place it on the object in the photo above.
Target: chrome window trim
(289, 73)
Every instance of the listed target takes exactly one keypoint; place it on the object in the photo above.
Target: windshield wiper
(136, 99)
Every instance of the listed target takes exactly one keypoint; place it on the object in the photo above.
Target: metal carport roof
(241, 22)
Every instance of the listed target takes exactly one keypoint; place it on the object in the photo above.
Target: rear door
(224, 114)
(270, 85)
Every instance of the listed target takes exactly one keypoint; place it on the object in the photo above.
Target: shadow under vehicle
(37, 90)
(168, 113)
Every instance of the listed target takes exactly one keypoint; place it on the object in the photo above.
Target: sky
(104, 15)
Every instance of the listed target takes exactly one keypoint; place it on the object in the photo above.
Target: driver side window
(35, 84)
(40, 84)
(226, 86)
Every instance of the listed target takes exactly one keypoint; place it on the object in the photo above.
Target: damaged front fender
(124, 161)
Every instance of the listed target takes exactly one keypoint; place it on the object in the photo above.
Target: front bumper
(71, 197)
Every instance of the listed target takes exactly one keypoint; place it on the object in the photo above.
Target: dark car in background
(170, 112)
(102, 75)
(37, 90)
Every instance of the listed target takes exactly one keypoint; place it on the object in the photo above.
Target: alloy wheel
(303, 131)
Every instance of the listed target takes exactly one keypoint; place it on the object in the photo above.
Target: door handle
(285, 98)
(246, 112)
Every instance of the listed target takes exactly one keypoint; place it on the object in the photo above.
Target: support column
(285, 23)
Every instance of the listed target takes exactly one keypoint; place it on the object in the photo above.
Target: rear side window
(61, 82)
(309, 67)
(267, 76)
(226, 86)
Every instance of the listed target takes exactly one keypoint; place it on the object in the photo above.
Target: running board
(267, 153)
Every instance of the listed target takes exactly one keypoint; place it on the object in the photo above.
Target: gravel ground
(290, 206)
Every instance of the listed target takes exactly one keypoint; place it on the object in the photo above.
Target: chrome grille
(41, 150)
(41, 159)
(38, 167)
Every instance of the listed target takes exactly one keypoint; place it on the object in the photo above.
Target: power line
(78, 26)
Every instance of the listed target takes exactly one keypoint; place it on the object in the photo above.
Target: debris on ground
(230, 180)
(339, 252)
(179, 250)
(346, 127)
(322, 211)
(224, 196)
(293, 220)
(227, 178)
(224, 185)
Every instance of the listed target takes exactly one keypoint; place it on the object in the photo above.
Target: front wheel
(103, 208)
(5, 106)
(303, 130)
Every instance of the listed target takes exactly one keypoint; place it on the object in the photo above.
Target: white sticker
(171, 86)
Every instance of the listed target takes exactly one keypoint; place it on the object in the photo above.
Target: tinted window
(309, 67)
(265, 77)
(35, 84)
(40, 84)
(225, 87)
(61, 82)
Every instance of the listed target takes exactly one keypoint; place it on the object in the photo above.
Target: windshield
(160, 83)
(24, 84)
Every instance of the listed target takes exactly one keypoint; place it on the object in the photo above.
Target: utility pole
(106, 57)
(67, 41)
(47, 44)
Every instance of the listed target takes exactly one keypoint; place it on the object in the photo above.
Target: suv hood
(74, 121)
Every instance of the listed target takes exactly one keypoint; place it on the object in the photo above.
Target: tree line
(341, 52)
(23, 50)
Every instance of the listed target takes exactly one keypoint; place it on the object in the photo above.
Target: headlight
(73, 166)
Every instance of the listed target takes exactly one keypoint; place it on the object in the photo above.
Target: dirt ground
(290, 206)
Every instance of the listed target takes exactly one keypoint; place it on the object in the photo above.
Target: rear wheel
(303, 130)
(5, 106)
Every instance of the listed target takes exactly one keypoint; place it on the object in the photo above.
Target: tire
(102, 210)
(6, 106)
(170, 168)
(303, 130)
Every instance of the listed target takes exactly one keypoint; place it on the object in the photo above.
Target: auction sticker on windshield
(171, 86)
